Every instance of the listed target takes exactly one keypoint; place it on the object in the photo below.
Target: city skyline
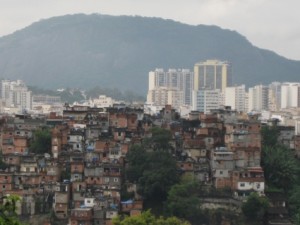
(259, 27)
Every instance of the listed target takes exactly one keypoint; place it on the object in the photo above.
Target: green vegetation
(294, 201)
(41, 142)
(297, 218)
(8, 214)
(183, 201)
(147, 218)
(255, 207)
(153, 168)
(160, 139)
(269, 135)
(155, 172)
(159, 176)
(120, 51)
(280, 167)
(281, 170)
(136, 158)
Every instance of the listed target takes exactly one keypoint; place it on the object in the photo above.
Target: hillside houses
(81, 177)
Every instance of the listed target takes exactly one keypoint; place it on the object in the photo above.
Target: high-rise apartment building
(235, 97)
(162, 96)
(290, 95)
(274, 96)
(297, 127)
(212, 74)
(16, 94)
(180, 81)
(5, 89)
(187, 86)
(157, 78)
(205, 100)
(258, 98)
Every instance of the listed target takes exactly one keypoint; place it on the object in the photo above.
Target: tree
(153, 168)
(297, 218)
(154, 172)
(255, 207)
(147, 218)
(160, 139)
(137, 161)
(280, 166)
(294, 201)
(8, 214)
(159, 175)
(183, 201)
(270, 135)
(41, 141)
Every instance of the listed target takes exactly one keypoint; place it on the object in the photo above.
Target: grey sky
(269, 24)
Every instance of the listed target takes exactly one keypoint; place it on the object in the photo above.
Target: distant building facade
(102, 101)
(46, 99)
(16, 94)
(212, 74)
(170, 87)
(235, 97)
(205, 100)
(274, 96)
(165, 96)
(258, 98)
(290, 95)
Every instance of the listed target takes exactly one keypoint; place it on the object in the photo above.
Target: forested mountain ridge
(118, 51)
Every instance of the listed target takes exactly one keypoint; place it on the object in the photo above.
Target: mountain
(118, 51)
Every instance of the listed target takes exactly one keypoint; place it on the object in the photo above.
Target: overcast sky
(268, 24)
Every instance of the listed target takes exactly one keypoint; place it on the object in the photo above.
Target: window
(221, 172)
(242, 184)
